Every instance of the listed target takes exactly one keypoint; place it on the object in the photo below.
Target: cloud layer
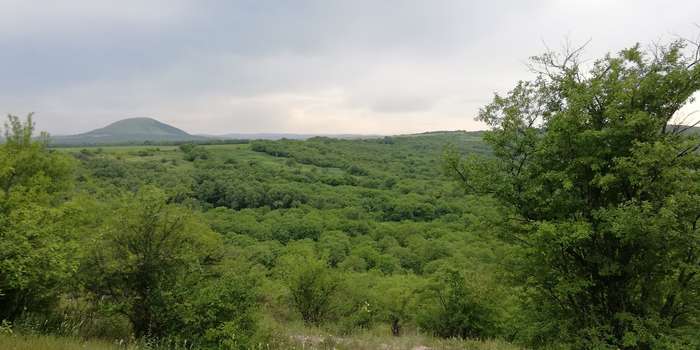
(302, 66)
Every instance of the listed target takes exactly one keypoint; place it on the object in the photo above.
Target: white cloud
(307, 66)
(19, 16)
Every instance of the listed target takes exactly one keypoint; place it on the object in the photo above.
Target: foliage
(312, 286)
(220, 313)
(336, 234)
(451, 308)
(37, 250)
(396, 298)
(148, 254)
(193, 152)
(602, 194)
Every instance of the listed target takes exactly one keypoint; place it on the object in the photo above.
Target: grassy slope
(307, 342)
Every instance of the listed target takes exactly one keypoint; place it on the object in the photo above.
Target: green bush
(450, 308)
(312, 287)
(220, 313)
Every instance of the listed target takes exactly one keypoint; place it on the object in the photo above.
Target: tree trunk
(395, 327)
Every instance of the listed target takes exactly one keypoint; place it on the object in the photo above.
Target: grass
(45, 342)
(406, 342)
(363, 341)
(35, 341)
(302, 337)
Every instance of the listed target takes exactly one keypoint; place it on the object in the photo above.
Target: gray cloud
(302, 66)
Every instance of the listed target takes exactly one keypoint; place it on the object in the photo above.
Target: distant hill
(132, 130)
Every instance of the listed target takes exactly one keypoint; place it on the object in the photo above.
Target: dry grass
(49, 342)
(43, 342)
(297, 338)
(367, 342)
(307, 338)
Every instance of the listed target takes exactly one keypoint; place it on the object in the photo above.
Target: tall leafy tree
(602, 194)
(37, 250)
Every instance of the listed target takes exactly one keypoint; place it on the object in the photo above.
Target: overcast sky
(326, 66)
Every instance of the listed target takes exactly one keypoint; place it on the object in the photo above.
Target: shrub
(450, 308)
(312, 286)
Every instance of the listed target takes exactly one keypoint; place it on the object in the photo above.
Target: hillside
(371, 217)
(132, 130)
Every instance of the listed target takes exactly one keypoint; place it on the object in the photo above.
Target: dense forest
(571, 224)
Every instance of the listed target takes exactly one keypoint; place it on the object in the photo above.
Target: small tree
(312, 286)
(147, 256)
(220, 312)
(450, 308)
(395, 298)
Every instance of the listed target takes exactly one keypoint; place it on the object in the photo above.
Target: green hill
(132, 130)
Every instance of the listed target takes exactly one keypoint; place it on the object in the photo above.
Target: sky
(325, 66)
